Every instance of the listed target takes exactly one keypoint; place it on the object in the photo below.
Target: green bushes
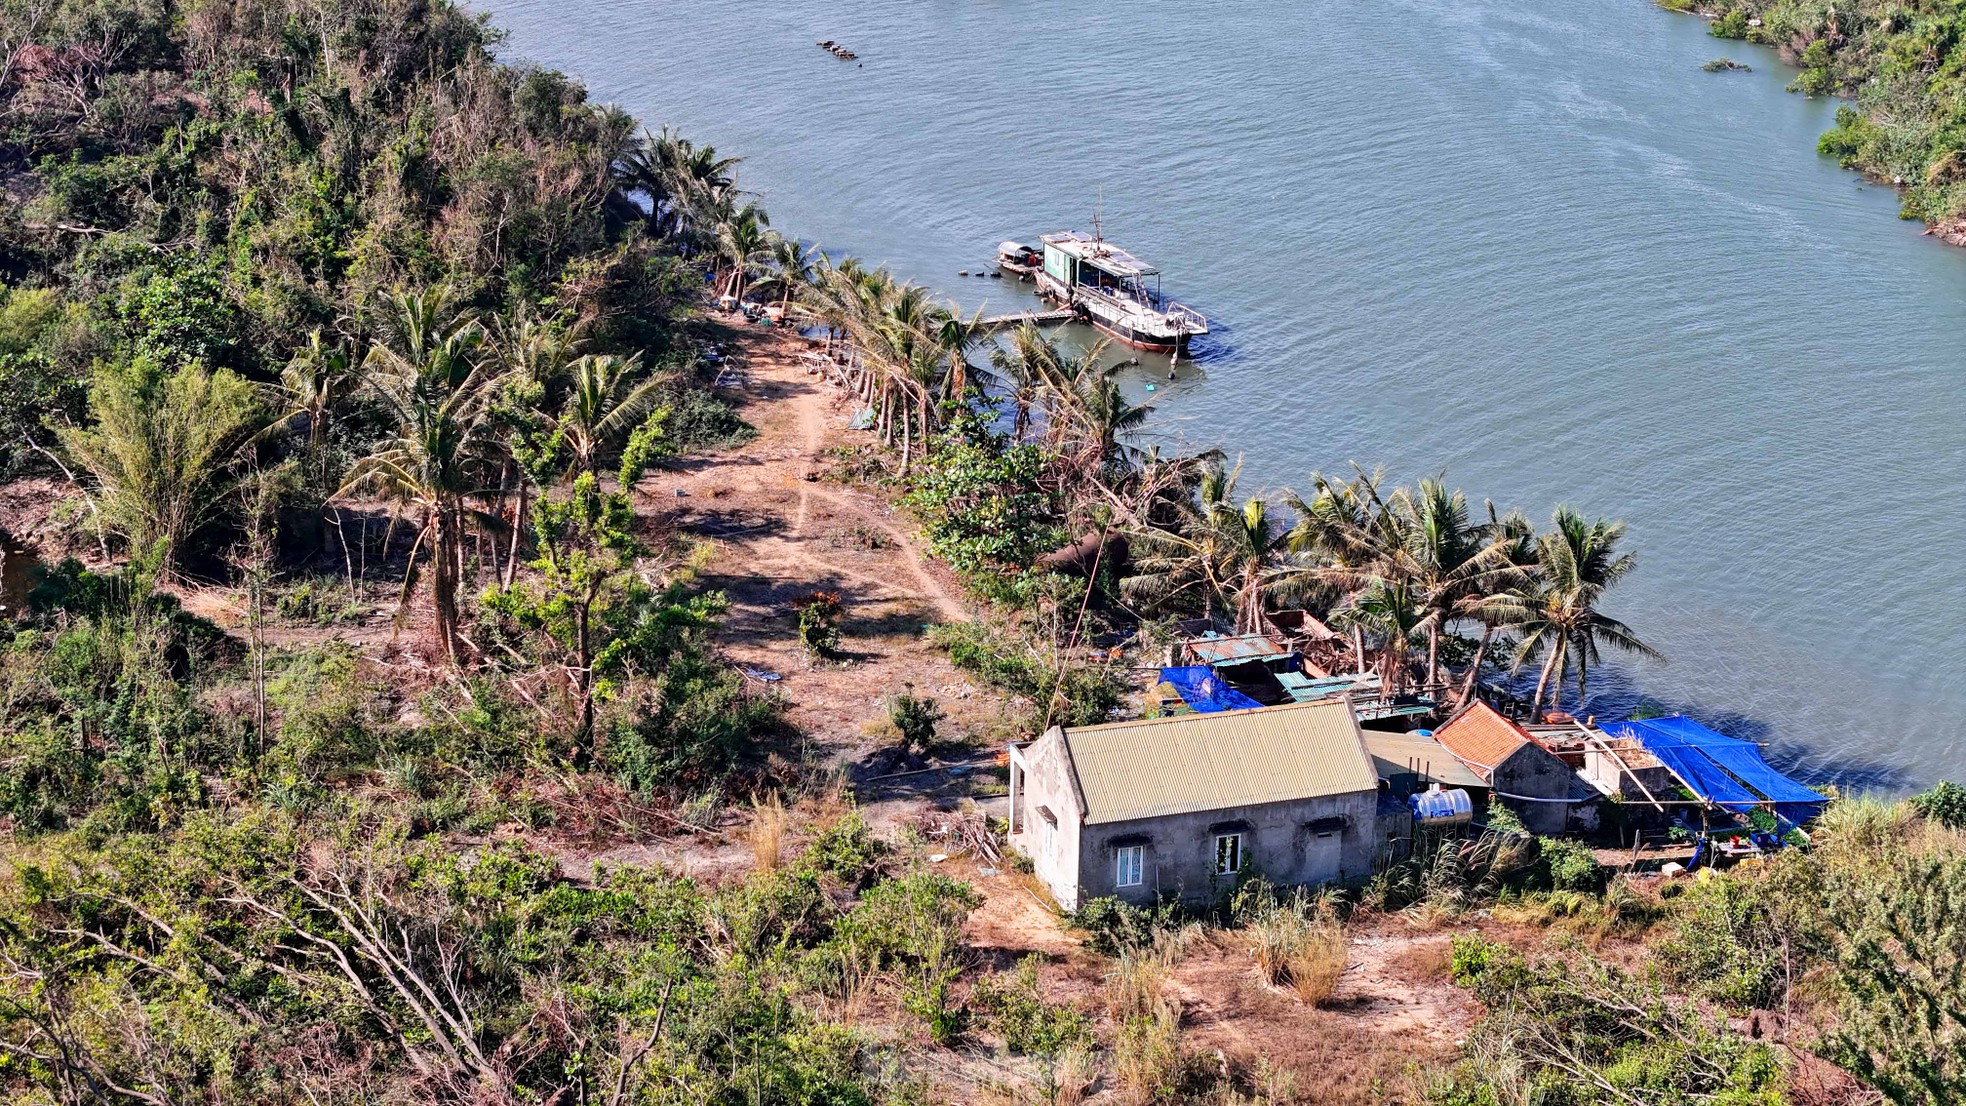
(914, 717)
(1113, 926)
(1945, 804)
(1906, 66)
(981, 502)
(482, 968)
(1726, 945)
(1019, 1014)
(1070, 693)
(1572, 1030)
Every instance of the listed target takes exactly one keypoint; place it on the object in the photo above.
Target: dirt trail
(781, 534)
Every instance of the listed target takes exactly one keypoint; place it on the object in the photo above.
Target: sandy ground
(782, 531)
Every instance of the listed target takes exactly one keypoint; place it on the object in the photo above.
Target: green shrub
(1068, 692)
(1569, 866)
(1016, 1011)
(1726, 944)
(819, 623)
(982, 502)
(846, 851)
(915, 717)
(1945, 804)
(1113, 926)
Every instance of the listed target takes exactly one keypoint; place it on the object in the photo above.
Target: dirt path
(781, 534)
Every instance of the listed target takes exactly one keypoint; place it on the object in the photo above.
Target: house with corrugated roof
(1543, 791)
(1185, 806)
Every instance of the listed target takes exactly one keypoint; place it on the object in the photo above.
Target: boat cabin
(1115, 292)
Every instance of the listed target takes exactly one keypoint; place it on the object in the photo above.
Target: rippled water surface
(1530, 243)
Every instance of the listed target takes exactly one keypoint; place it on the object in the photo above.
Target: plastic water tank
(1441, 807)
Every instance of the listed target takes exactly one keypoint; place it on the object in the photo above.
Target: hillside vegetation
(1903, 64)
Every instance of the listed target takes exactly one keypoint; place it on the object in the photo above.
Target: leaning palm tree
(605, 401)
(431, 377)
(1556, 615)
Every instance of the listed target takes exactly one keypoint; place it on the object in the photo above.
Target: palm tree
(744, 241)
(1416, 548)
(312, 382)
(1107, 417)
(1021, 369)
(533, 354)
(793, 270)
(603, 404)
(686, 185)
(1227, 551)
(431, 378)
(1557, 613)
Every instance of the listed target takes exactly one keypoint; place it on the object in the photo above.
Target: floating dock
(1035, 318)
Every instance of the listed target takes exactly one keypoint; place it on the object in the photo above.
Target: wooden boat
(1115, 291)
(1019, 260)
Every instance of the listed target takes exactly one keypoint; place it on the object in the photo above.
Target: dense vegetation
(310, 302)
(1905, 66)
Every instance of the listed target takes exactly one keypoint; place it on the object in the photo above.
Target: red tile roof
(1481, 737)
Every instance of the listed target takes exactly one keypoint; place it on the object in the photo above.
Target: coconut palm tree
(685, 185)
(431, 376)
(313, 381)
(794, 270)
(604, 402)
(1107, 418)
(744, 243)
(1022, 369)
(1219, 548)
(1556, 614)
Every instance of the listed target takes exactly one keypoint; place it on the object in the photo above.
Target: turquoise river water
(1531, 244)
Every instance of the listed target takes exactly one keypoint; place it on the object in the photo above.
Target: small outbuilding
(1536, 784)
(1183, 806)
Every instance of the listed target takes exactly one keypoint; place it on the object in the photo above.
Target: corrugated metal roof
(1200, 762)
(1409, 752)
(1215, 650)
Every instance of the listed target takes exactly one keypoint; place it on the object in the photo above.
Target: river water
(1531, 244)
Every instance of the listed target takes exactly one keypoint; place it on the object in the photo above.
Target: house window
(1228, 854)
(1128, 864)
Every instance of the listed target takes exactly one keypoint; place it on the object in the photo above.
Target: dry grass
(1315, 967)
(766, 833)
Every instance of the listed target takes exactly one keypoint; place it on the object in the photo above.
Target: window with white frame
(1229, 855)
(1129, 864)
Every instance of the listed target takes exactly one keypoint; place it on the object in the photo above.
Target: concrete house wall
(1041, 780)
(1537, 773)
(1304, 841)
(1299, 841)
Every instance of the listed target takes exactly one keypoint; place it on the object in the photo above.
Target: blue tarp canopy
(1716, 767)
(1203, 690)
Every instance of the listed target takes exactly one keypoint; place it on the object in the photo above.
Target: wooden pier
(1035, 318)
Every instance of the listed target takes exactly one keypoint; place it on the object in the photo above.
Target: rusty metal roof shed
(1201, 762)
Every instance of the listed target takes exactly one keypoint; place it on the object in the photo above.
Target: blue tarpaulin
(1716, 766)
(1203, 690)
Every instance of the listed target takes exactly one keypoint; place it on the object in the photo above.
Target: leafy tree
(982, 502)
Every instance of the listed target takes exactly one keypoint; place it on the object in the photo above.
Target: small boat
(1115, 292)
(1019, 259)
